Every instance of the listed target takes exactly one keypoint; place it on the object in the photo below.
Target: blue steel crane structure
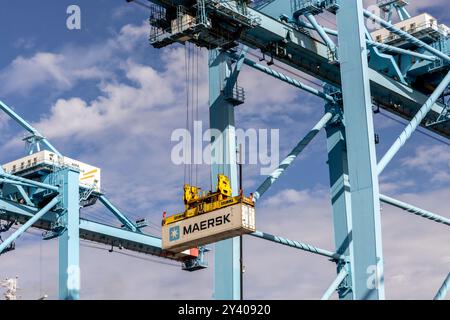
(50, 199)
(409, 78)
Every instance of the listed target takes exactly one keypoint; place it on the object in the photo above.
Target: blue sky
(104, 96)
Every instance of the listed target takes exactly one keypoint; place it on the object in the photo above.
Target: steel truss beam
(309, 55)
(24, 124)
(366, 257)
(287, 79)
(13, 182)
(232, 81)
(307, 25)
(405, 35)
(273, 177)
(28, 224)
(227, 267)
(111, 236)
(414, 123)
(440, 295)
(401, 51)
(330, 43)
(308, 52)
(118, 214)
(335, 284)
(376, 44)
(29, 182)
(93, 231)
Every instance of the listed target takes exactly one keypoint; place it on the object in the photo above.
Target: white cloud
(62, 71)
(117, 108)
(288, 197)
(41, 68)
(431, 159)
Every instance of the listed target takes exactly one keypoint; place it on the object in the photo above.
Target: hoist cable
(196, 111)
(187, 109)
(192, 108)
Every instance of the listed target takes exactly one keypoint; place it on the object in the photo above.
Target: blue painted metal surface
(443, 290)
(137, 242)
(227, 270)
(14, 182)
(28, 224)
(414, 123)
(29, 182)
(365, 237)
(92, 231)
(354, 184)
(273, 8)
(330, 43)
(24, 195)
(407, 36)
(385, 64)
(401, 51)
(287, 79)
(311, 27)
(335, 284)
(69, 241)
(232, 81)
(114, 235)
(340, 194)
(309, 55)
(402, 13)
(119, 215)
(273, 177)
(24, 124)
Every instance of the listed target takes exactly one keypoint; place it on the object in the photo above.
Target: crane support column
(69, 241)
(366, 258)
(340, 194)
(227, 269)
(28, 224)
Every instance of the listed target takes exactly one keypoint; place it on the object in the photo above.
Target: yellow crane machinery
(208, 217)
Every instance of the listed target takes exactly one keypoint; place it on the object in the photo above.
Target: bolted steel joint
(345, 286)
(337, 111)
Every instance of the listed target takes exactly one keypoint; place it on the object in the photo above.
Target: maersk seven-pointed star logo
(174, 233)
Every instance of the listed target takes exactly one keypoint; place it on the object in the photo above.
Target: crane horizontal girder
(93, 231)
(220, 26)
(300, 50)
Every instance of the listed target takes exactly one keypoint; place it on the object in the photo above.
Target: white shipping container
(90, 176)
(208, 228)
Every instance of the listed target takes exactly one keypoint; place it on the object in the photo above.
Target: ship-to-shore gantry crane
(402, 68)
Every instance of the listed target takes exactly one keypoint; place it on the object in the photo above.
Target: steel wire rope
(418, 129)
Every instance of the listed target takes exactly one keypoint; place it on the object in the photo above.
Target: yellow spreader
(209, 217)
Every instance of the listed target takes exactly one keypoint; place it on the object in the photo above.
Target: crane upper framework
(402, 68)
